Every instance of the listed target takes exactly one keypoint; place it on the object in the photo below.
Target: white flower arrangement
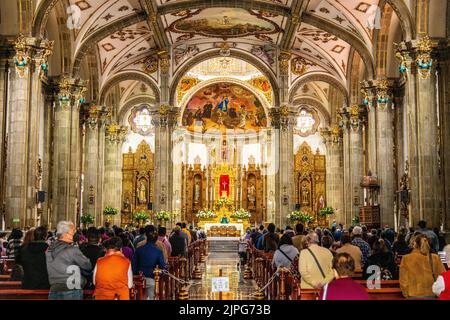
(241, 214)
(206, 214)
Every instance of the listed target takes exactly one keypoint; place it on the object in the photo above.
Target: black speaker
(41, 196)
(150, 206)
(297, 206)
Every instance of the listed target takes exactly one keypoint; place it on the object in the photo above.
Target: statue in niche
(305, 195)
(197, 191)
(142, 194)
(251, 190)
(126, 204)
(320, 203)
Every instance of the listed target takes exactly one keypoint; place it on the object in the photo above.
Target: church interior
(225, 115)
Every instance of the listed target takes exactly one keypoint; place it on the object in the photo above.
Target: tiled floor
(229, 264)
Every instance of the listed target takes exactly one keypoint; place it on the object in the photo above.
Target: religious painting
(224, 23)
(224, 106)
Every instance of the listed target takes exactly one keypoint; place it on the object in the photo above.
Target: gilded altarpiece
(194, 188)
(137, 182)
(310, 183)
(252, 192)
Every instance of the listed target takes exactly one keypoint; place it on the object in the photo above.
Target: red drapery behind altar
(224, 185)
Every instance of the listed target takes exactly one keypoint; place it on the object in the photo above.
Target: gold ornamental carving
(424, 61)
(164, 61)
(22, 58)
(284, 59)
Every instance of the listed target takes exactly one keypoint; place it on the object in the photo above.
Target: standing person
(420, 269)
(92, 248)
(271, 239)
(126, 249)
(150, 229)
(361, 244)
(400, 246)
(178, 243)
(145, 260)
(315, 264)
(113, 275)
(297, 240)
(162, 237)
(139, 238)
(65, 264)
(186, 231)
(32, 260)
(193, 233)
(352, 250)
(14, 243)
(286, 253)
(441, 287)
(434, 241)
(343, 287)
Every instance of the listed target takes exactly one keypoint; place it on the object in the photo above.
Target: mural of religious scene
(225, 23)
(224, 106)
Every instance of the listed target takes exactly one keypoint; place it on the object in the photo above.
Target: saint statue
(224, 219)
(305, 194)
(251, 194)
(197, 192)
(142, 194)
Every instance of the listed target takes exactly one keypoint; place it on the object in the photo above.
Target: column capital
(115, 133)
(283, 117)
(31, 52)
(71, 91)
(352, 117)
(94, 115)
(416, 56)
(165, 116)
(332, 135)
(378, 93)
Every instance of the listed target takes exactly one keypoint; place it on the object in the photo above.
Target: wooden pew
(6, 266)
(22, 294)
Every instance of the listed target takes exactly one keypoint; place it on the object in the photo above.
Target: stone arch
(129, 75)
(204, 84)
(315, 104)
(324, 77)
(404, 16)
(189, 64)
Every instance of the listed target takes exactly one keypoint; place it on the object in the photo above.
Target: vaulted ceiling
(321, 35)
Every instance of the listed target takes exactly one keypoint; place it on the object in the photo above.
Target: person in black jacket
(384, 259)
(178, 243)
(32, 259)
(92, 249)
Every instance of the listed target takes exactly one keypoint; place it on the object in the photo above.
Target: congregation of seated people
(105, 258)
(340, 262)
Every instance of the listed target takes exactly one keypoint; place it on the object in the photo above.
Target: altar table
(239, 226)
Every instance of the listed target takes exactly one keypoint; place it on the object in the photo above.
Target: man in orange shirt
(113, 275)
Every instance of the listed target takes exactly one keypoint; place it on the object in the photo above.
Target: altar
(224, 230)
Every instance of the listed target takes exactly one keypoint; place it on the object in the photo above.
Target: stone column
(422, 127)
(385, 151)
(332, 137)
(66, 168)
(354, 161)
(93, 177)
(373, 145)
(444, 94)
(164, 121)
(112, 192)
(24, 95)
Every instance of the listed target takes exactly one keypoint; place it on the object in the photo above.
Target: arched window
(307, 122)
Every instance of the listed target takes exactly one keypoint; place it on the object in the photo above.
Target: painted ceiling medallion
(224, 23)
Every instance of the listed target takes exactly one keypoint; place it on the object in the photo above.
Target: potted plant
(326, 211)
(300, 216)
(205, 215)
(241, 214)
(141, 217)
(110, 212)
(87, 219)
(355, 220)
(163, 215)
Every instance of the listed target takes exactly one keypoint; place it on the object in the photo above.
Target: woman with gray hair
(65, 264)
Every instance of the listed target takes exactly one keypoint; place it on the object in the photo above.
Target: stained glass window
(307, 123)
(141, 121)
